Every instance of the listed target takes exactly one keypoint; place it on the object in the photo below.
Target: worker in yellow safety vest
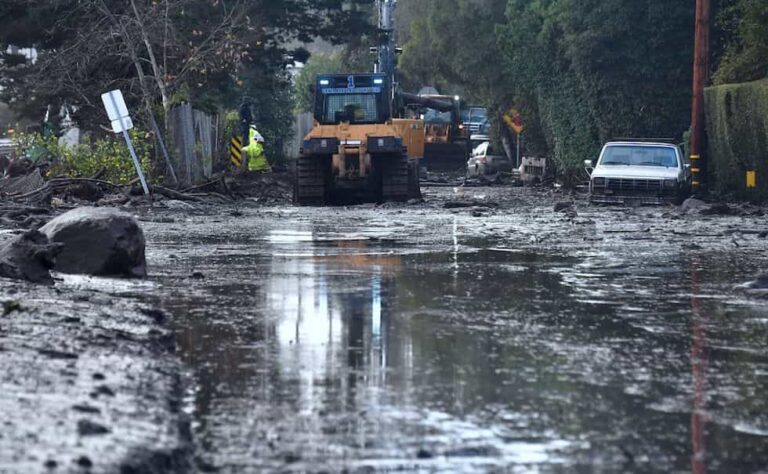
(254, 153)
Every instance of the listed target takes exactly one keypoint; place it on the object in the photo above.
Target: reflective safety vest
(254, 152)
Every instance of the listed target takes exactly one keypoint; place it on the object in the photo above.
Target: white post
(517, 162)
(128, 142)
(136, 162)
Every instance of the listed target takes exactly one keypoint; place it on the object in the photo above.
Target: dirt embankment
(89, 381)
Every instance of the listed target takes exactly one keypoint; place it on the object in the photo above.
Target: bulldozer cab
(353, 99)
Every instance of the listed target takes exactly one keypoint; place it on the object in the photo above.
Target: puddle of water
(313, 352)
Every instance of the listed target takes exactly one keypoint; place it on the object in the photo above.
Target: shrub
(89, 157)
(737, 126)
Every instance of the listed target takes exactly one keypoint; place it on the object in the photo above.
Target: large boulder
(98, 241)
(29, 256)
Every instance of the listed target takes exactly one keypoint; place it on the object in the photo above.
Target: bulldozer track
(312, 180)
(394, 174)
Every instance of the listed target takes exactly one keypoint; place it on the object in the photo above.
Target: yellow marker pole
(751, 179)
(236, 152)
(696, 177)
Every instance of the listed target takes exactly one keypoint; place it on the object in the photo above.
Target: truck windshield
(435, 116)
(477, 114)
(353, 108)
(630, 155)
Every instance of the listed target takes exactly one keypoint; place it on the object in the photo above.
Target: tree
(744, 25)
(600, 69)
(158, 51)
(305, 81)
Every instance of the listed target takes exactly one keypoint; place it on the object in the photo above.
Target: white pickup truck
(642, 172)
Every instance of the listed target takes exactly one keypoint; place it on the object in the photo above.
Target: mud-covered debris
(176, 204)
(91, 428)
(10, 307)
(158, 315)
(102, 390)
(693, 204)
(563, 206)
(21, 182)
(87, 191)
(424, 454)
(54, 354)
(30, 257)
(86, 409)
(757, 287)
(469, 203)
(98, 242)
(718, 209)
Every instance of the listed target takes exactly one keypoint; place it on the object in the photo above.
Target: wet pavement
(417, 338)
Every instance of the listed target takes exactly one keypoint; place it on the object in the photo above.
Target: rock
(30, 257)
(98, 241)
(563, 206)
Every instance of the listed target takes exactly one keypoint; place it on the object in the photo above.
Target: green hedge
(737, 126)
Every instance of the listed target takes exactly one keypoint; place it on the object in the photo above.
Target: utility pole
(700, 80)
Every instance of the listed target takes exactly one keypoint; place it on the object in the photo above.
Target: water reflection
(699, 367)
(321, 350)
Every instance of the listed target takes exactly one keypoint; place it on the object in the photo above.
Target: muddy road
(438, 337)
(480, 331)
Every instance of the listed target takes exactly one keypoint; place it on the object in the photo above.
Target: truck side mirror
(589, 164)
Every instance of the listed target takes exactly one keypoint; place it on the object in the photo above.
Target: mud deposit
(479, 332)
(496, 335)
(88, 381)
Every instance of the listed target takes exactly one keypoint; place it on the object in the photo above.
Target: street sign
(514, 121)
(115, 105)
(121, 123)
(124, 123)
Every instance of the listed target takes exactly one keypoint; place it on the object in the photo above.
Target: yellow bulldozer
(357, 151)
